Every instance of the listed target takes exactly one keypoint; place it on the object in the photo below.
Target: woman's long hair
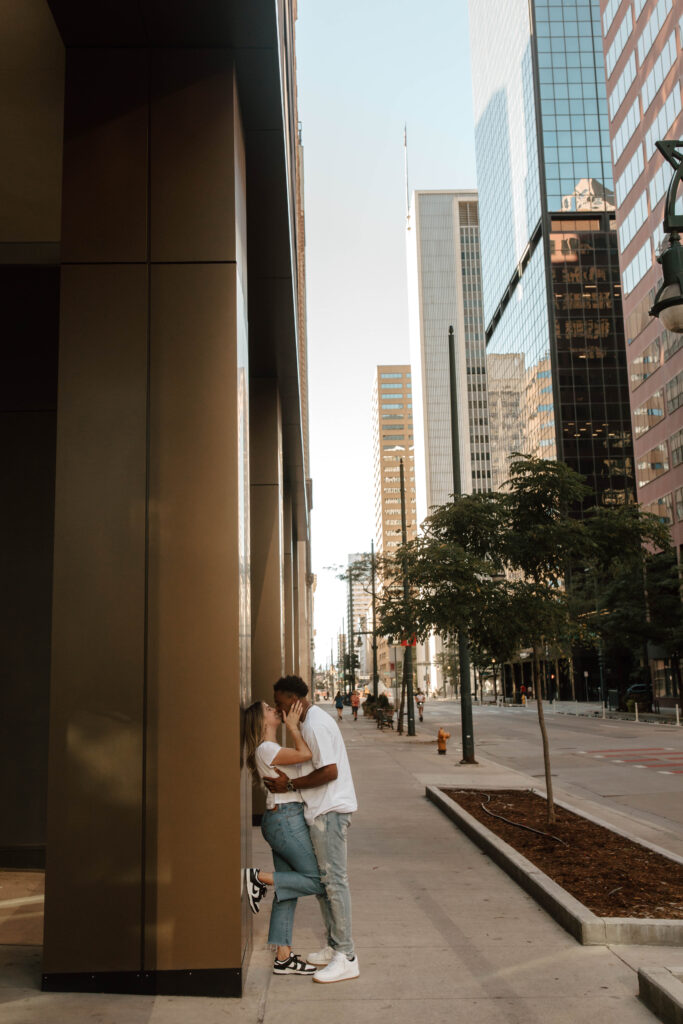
(252, 734)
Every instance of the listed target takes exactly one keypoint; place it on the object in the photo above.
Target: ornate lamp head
(668, 304)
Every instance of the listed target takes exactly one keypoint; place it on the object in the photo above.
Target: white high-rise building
(444, 287)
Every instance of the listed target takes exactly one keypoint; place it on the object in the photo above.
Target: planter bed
(601, 885)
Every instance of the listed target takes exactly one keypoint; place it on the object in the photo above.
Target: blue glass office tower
(556, 359)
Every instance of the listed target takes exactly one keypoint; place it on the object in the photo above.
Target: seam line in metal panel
(145, 648)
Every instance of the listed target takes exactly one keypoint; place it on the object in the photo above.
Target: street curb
(662, 992)
(585, 926)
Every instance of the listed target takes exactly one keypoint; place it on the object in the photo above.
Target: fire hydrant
(441, 738)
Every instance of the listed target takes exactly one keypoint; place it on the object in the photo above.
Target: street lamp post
(408, 654)
(375, 677)
(463, 649)
(351, 645)
(668, 304)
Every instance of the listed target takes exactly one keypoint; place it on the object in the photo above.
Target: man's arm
(319, 777)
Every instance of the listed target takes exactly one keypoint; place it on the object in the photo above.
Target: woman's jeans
(296, 869)
(328, 833)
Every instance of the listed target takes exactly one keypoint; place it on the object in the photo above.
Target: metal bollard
(678, 715)
(636, 707)
(603, 709)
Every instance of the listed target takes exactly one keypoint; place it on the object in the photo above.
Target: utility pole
(375, 677)
(351, 645)
(408, 653)
(463, 649)
(342, 657)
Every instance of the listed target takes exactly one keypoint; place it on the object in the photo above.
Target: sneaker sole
(291, 974)
(323, 981)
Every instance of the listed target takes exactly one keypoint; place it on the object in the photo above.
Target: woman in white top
(296, 869)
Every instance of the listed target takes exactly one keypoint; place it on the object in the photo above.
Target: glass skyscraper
(556, 366)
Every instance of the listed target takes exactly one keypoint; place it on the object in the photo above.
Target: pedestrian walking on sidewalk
(330, 800)
(355, 704)
(339, 705)
(420, 701)
(284, 827)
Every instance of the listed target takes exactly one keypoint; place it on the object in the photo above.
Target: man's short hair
(291, 684)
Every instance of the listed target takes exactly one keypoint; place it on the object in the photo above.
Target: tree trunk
(495, 687)
(546, 749)
(571, 677)
(676, 672)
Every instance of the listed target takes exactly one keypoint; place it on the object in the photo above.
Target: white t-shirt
(323, 737)
(266, 753)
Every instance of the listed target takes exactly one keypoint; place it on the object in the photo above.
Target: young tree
(543, 539)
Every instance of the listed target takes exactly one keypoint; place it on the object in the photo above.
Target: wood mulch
(609, 874)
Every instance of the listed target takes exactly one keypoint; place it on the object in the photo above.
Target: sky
(366, 68)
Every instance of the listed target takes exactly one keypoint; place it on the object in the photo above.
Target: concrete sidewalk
(442, 934)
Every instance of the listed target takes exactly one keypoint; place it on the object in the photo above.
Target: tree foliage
(528, 567)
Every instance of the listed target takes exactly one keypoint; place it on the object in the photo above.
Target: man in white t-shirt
(330, 799)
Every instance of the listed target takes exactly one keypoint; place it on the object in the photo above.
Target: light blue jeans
(328, 834)
(296, 869)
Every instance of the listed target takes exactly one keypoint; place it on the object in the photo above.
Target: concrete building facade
(642, 47)
(392, 432)
(156, 510)
(361, 600)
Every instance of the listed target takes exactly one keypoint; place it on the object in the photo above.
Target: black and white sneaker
(256, 890)
(293, 965)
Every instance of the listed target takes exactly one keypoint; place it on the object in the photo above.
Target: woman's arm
(301, 752)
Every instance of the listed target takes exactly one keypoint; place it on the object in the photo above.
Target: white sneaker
(340, 968)
(322, 957)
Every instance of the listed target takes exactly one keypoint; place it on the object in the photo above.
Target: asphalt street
(636, 768)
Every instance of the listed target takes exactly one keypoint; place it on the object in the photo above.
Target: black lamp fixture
(668, 304)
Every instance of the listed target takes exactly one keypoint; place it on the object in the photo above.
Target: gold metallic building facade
(156, 532)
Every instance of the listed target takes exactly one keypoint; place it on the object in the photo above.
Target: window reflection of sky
(505, 139)
(518, 368)
(571, 75)
(592, 422)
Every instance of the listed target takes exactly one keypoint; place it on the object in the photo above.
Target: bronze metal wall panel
(193, 798)
(31, 111)
(105, 156)
(267, 584)
(93, 897)
(288, 578)
(192, 156)
(267, 638)
(29, 299)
